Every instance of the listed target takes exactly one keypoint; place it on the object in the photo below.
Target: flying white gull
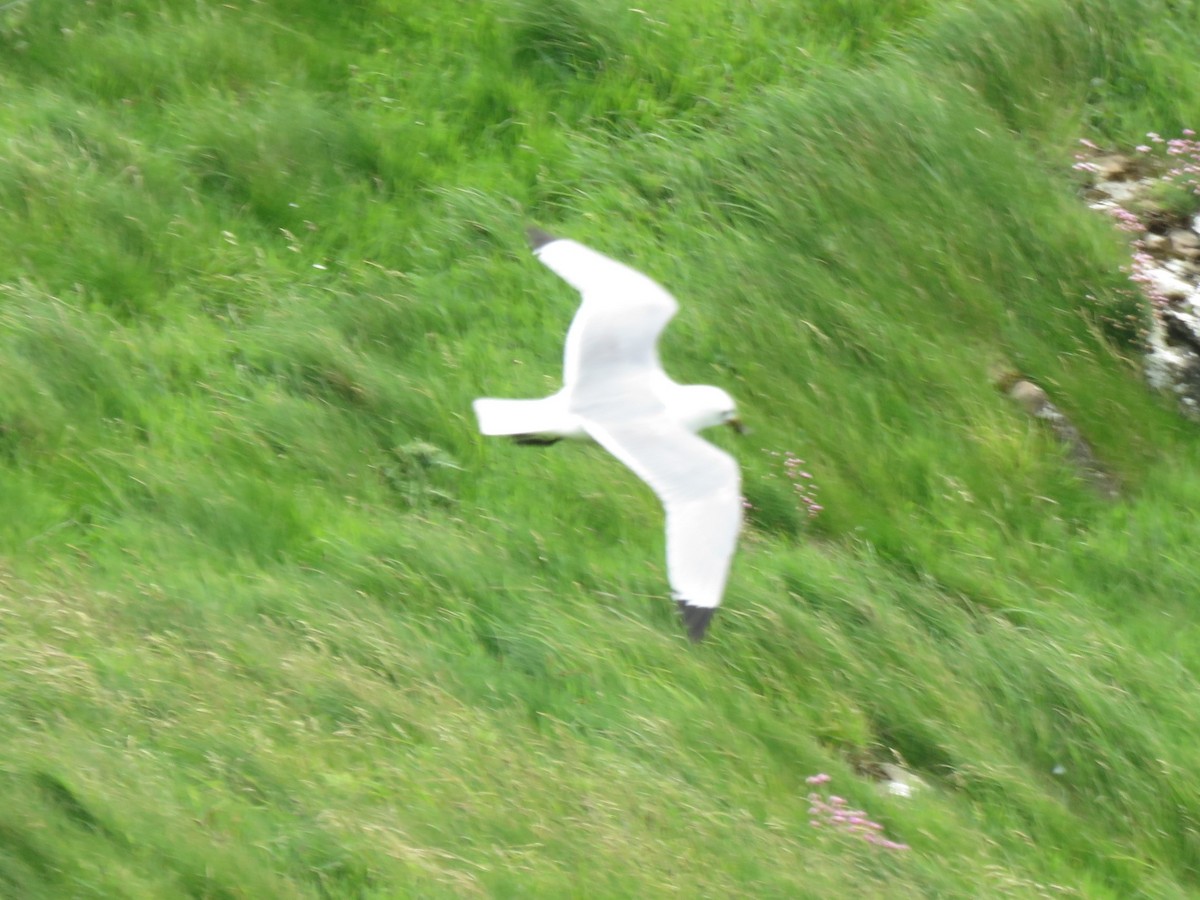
(616, 393)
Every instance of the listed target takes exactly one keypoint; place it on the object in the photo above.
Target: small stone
(1111, 167)
(1155, 243)
(1120, 191)
(1029, 396)
(1183, 240)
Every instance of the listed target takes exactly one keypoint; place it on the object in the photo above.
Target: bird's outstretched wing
(615, 332)
(700, 489)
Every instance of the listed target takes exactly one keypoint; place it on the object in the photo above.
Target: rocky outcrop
(1165, 244)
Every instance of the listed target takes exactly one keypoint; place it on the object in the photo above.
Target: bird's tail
(544, 418)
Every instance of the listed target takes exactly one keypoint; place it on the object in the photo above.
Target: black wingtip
(538, 238)
(535, 440)
(695, 619)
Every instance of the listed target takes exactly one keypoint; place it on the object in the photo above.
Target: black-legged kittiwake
(616, 393)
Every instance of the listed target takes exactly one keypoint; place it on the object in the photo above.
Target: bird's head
(706, 406)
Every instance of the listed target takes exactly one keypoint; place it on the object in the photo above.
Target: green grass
(275, 621)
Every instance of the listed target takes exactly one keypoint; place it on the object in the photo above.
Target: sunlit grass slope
(276, 622)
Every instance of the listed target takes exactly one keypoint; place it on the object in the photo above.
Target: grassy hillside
(276, 622)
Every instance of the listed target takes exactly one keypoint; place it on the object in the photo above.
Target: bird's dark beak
(736, 424)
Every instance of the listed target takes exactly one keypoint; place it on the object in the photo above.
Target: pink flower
(834, 811)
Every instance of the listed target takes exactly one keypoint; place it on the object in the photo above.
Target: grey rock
(1111, 167)
(1156, 243)
(1035, 401)
(1185, 242)
(1120, 191)
(1029, 397)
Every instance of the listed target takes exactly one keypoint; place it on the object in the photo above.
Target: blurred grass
(275, 621)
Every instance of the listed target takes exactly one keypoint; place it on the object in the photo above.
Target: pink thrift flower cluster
(831, 811)
(802, 481)
(1185, 169)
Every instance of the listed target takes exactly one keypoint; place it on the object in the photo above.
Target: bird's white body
(616, 393)
(688, 405)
